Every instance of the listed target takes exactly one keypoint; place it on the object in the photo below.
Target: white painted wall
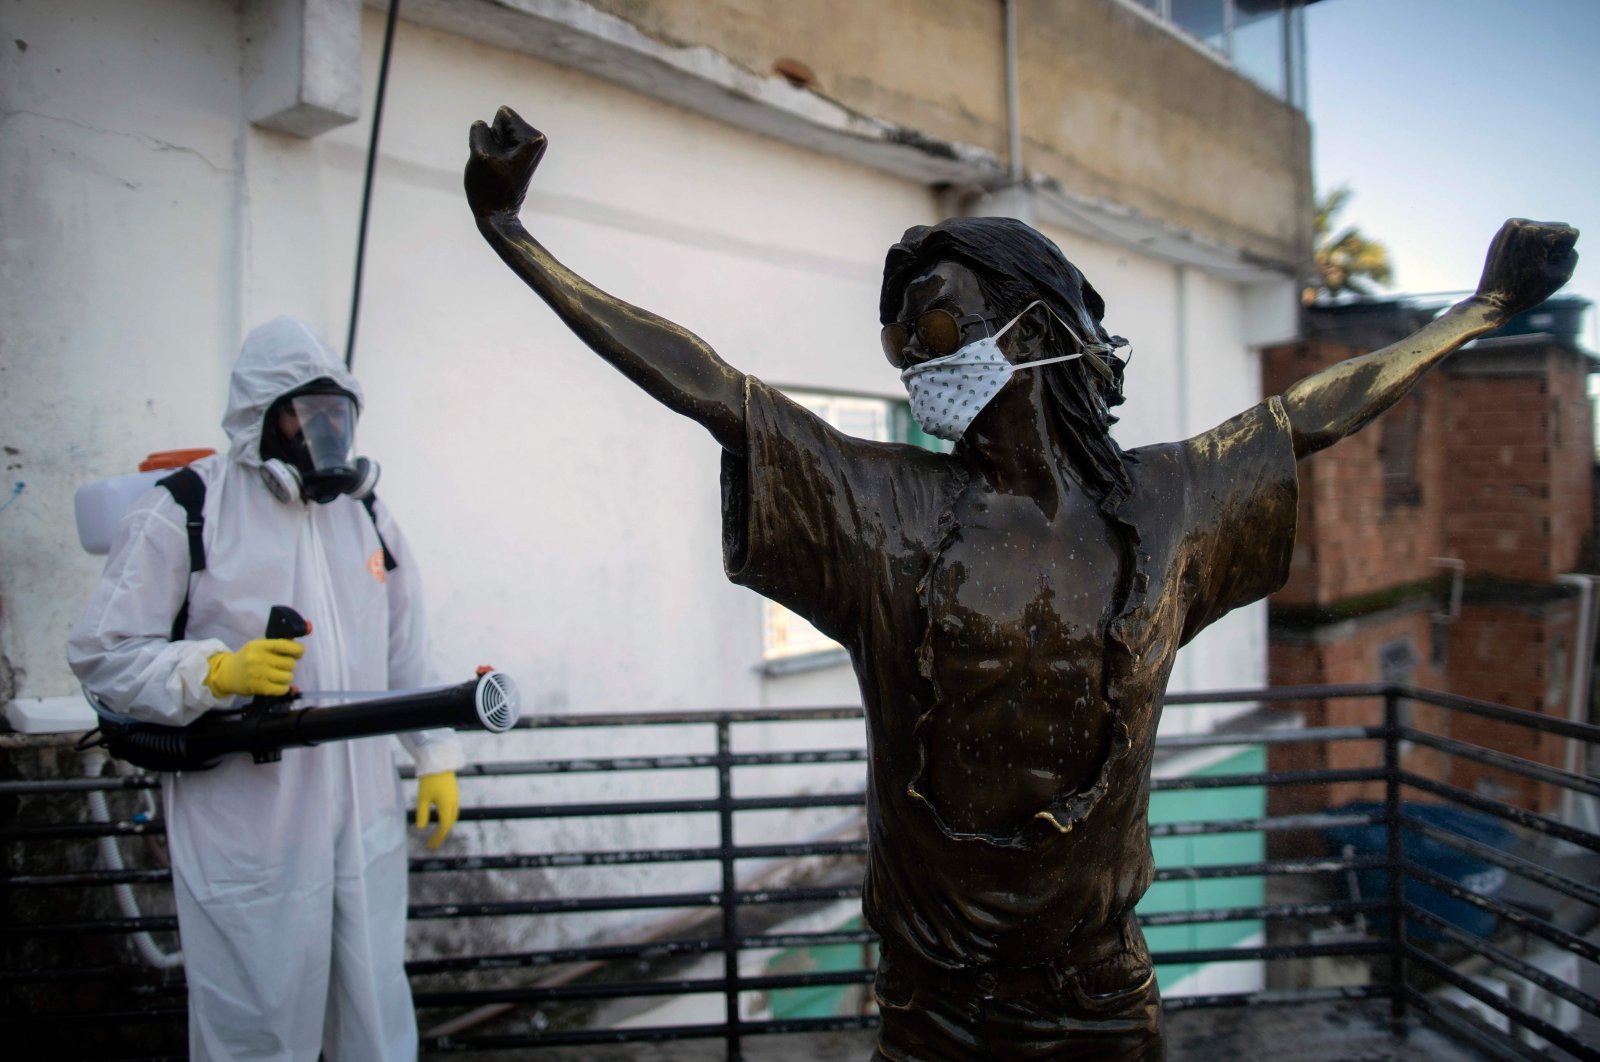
(155, 226)
(568, 527)
(598, 576)
(119, 276)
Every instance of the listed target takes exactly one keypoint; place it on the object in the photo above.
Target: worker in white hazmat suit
(290, 877)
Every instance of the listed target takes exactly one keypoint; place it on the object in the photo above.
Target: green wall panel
(1202, 805)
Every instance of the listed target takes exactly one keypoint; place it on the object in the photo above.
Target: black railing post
(1397, 861)
(730, 895)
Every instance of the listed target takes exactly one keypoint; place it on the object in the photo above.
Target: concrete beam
(302, 64)
(575, 34)
(1121, 226)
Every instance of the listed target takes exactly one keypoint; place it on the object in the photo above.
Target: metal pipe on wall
(366, 184)
(1572, 805)
(1013, 123)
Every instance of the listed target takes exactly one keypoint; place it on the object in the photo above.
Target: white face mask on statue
(948, 393)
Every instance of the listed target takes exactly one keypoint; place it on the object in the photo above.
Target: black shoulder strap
(389, 563)
(189, 491)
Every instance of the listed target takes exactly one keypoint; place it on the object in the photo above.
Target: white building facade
(153, 209)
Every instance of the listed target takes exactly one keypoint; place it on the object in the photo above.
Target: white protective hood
(277, 357)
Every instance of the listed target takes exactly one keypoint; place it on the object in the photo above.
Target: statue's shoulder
(1263, 429)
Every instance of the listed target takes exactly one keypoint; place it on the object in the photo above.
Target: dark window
(1397, 452)
(1397, 663)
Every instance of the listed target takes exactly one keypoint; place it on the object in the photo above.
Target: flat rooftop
(1341, 1031)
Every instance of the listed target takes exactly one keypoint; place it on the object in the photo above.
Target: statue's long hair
(1014, 265)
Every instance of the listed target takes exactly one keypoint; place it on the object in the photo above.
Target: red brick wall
(1365, 544)
(1499, 458)
(1571, 464)
(1520, 657)
(1518, 455)
(1351, 541)
(1504, 466)
(1351, 655)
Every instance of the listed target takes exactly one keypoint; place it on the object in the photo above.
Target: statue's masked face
(950, 373)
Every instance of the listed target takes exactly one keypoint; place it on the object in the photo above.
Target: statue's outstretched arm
(672, 364)
(1527, 263)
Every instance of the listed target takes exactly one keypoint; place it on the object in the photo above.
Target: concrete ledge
(302, 64)
(816, 661)
(573, 34)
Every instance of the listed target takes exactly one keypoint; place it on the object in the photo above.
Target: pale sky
(1445, 117)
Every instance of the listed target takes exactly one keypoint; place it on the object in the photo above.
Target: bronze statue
(1012, 608)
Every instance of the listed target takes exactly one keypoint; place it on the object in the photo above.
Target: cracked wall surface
(568, 530)
(1113, 107)
(148, 224)
(117, 179)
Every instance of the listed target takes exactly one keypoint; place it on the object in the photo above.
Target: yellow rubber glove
(264, 666)
(438, 791)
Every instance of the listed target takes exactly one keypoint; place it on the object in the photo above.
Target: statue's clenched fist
(1528, 262)
(501, 162)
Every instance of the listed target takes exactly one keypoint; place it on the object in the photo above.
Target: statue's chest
(1019, 585)
(1017, 603)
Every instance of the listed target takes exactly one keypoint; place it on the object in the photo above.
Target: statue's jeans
(1086, 1019)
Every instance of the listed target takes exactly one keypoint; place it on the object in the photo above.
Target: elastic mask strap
(1094, 350)
(1046, 361)
(1094, 360)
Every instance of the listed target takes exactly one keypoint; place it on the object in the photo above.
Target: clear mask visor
(327, 426)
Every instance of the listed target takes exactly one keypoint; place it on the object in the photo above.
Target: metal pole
(1578, 698)
(1286, 41)
(1013, 121)
(730, 910)
(366, 184)
(1396, 860)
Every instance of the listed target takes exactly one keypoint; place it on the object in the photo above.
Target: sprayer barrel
(488, 702)
(452, 706)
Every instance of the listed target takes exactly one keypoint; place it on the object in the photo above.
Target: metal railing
(70, 970)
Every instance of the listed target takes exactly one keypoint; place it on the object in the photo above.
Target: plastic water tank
(98, 506)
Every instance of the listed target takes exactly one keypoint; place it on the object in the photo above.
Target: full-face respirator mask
(308, 446)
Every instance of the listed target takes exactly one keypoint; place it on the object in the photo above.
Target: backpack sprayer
(268, 725)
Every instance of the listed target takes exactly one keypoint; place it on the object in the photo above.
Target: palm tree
(1347, 263)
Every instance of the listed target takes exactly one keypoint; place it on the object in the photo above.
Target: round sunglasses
(938, 331)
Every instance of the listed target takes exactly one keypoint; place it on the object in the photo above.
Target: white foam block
(49, 715)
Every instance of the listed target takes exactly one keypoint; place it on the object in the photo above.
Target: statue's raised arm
(672, 364)
(1527, 263)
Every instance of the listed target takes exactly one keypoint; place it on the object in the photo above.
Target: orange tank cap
(173, 458)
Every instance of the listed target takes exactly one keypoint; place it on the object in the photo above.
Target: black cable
(366, 190)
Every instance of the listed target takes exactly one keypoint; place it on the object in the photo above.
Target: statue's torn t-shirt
(1012, 668)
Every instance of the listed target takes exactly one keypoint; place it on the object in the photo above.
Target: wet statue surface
(1013, 608)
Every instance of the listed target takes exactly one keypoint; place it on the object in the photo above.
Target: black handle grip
(282, 622)
(285, 622)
